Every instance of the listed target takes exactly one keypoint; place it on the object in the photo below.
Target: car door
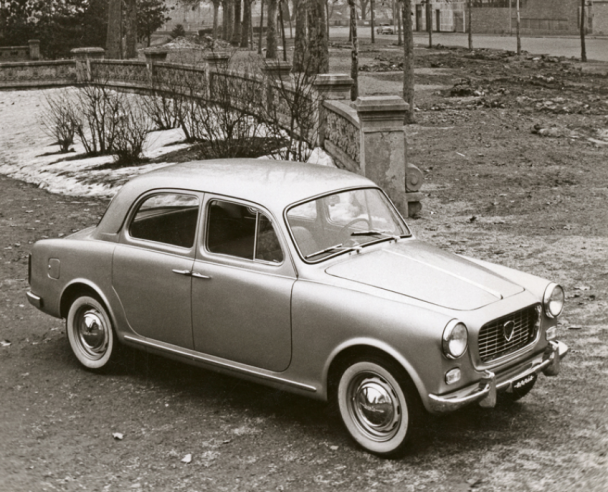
(152, 265)
(241, 287)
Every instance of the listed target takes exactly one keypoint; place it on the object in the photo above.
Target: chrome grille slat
(491, 341)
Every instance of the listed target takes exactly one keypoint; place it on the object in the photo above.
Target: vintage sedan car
(385, 29)
(304, 278)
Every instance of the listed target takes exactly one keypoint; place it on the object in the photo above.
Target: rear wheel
(90, 333)
(379, 405)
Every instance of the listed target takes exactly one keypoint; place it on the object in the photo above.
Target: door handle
(200, 275)
(182, 272)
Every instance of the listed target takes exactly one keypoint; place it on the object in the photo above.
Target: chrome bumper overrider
(34, 300)
(485, 393)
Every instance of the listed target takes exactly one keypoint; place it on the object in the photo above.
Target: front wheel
(90, 333)
(379, 406)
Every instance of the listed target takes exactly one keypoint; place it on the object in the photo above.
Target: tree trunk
(271, 30)
(371, 18)
(224, 19)
(261, 27)
(470, 24)
(131, 11)
(583, 47)
(408, 60)
(321, 44)
(246, 23)
(300, 44)
(114, 41)
(283, 39)
(397, 16)
(354, 52)
(429, 21)
(518, 24)
(216, 13)
(236, 30)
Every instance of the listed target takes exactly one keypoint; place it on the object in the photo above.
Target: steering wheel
(345, 232)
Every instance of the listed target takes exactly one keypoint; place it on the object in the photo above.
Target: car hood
(424, 272)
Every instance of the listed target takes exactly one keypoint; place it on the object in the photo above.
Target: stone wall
(20, 53)
(40, 74)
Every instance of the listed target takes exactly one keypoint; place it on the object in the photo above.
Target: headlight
(455, 339)
(553, 300)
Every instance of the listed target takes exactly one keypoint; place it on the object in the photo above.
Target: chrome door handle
(200, 275)
(182, 272)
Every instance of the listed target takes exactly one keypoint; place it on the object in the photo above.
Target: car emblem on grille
(507, 330)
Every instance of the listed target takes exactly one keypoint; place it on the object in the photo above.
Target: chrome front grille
(492, 340)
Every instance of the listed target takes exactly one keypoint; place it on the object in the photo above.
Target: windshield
(342, 222)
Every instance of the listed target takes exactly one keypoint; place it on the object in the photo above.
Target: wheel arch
(79, 288)
(362, 348)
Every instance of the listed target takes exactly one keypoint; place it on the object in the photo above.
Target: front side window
(243, 232)
(168, 218)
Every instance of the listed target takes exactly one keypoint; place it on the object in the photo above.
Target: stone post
(217, 60)
(383, 145)
(34, 49)
(83, 57)
(277, 70)
(330, 87)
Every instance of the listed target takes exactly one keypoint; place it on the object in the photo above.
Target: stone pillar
(155, 55)
(383, 146)
(277, 70)
(217, 60)
(330, 87)
(34, 49)
(83, 57)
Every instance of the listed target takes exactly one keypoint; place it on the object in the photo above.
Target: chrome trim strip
(226, 365)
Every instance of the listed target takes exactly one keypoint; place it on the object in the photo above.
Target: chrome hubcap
(92, 333)
(375, 407)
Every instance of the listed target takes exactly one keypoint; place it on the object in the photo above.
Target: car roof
(271, 183)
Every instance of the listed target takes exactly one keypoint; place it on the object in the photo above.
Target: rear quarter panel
(81, 260)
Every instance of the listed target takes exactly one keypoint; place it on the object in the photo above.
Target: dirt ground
(516, 172)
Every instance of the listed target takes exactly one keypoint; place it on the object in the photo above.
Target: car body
(305, 278)
(385, 29)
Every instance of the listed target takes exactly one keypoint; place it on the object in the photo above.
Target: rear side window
(168, 218)
(243, 232)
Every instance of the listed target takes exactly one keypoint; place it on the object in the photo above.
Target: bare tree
(470, 23)
(114, 38)
(583, 47)
(408, 59)
(518, 24)
(131, 11)
(261, 27)
(354, 53)
(246, 28)
(236, 30)
(300, 43)
(372, 7)
(318, 45)
(216, 11)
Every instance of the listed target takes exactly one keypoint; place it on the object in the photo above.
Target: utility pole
(371, 8)
(429, 22)
(469, 24)
(583, 47)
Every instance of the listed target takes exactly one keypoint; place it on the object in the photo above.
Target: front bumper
(490, 384)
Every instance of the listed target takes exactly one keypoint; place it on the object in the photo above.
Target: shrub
(58, 118)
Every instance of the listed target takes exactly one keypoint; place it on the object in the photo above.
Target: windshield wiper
(373, 232)
(331, 248)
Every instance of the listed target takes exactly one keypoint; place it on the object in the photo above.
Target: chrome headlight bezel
(455, 333)
(553, 300)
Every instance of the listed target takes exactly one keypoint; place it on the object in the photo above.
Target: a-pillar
(330, 87)
(383, 157)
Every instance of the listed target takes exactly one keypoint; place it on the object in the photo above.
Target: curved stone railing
(366, 137)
